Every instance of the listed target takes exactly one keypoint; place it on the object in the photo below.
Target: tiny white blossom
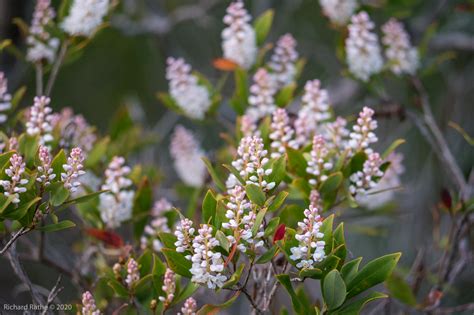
(362, 48)
(189, 307)
(187, 156)
(73, 169)
(39, 122)
(88, 305)
(336, 134)
(45, 172)
(366, 179)
(401, 56)
(282, 134)
(362, 134)
(319, 163)
(169, 287)
(85, 16)
(184, 233)
(283, 61)
(310, 249)
(239, 42)
(151, 233)
(338, 11)
(13, 185)
(133, 273)
(5, 98)
(192, 98)
(261, 98)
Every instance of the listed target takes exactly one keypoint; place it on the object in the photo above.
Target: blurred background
(125, 65)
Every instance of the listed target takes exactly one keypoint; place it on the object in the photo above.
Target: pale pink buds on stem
(39, 122)
(88, 304)
(5, 98)
(73, 169)
(45, 172)
(12, 186)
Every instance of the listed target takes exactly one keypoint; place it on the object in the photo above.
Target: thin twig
(52, 295)
(56, 66)
(15, 236)
(39, 78)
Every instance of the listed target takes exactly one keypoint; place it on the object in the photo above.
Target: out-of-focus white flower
(319, 162)
(160, 207)
(133, 273)
(310, 249)
(45, 172)
(39, 122)
(5, 98)
(383, 192)
(73, 169)
(283, 61)
(315, 199)
(314, 110)
(116, 206)
(74, 130)
(85, 16)
(362, 48)
(192, 98)
(151, 233)
(12, 186)
(239, 42)
(401, 56)
(241, 220)
(41, 46)
(187, 154)
(252, 163)
(338, 11)
(281, 133)
(362, 134)
(88, 304)
(335, 133)
(261, 98)
(248, 127)
(185, 234)
(365, 180)
(169, 287)
(189, 307)
(207, 265)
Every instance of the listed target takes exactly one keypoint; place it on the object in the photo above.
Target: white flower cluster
(12, 187)
(241, 218)
(88, 304)
(362, 134)
(158, 224)
(5, 98)
(45, 172)
(41, 46)
(73, 169)
(184, 233)
(362, 48)
(252, 164)
(311, 247)
(85, 16)
(315, 109)
(169, 287)
(133, 273)
(315, 199)
(189, 95)
(39, 122)
(239, 42)
(189, 307)
(338, 11)
(187, 154)
(365, 180)
(281, 133)
(383, 192)
(160, 207)
(261, 99)
(336, 134)
(74, 130)
(401, 55)
(319, 162)
(248, 127)
(283, 61)
(116, 205)
(207, 265)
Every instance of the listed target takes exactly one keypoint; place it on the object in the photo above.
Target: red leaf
(279, 233)
(224, 64)
(109, 238)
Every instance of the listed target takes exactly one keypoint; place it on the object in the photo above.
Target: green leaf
(349, 270)
(234, 171)
(177, 262)
(214, 309)
(355, 307)
(258, 221)
(313, 273)
(271, 227)
(326, 229)
(66, 224)
(334, 290)
(5, 158)
(255, 194)
(331, 184)
(375, 272)
(185, 293)
(395, 144)
(234, 279)
(223, 241)
(142, 204)
(5, 202)
(278, 201)
(330, 263)
(285, 95)
(86, 198)
(267, 256)
(209, 205)
(17, 97)
(98, 152)
(168, 239)
(214, 175)
(57, 164)
(118, 288)
(14, 213)
(59, 193)
(262, 26)
(28, 146)
(285, 281)
(357, 162)
(296, 162)
(239, 101)
(278, 171)
(399, 289)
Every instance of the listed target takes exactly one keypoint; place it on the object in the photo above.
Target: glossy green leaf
(285, 95)
(14, 213)
(168, 239)
(278, 171)
(209, 205)
(118, 288)
(57, 164)
(177, 262)
(214, 175)
(334, 290)
(285, 281)
(354, 308)
(278, 201)
(234, 279)
(267, 256)
(262, 26)
(214, 309)
(223, 241)
(349, 270)
(234, 171)
(258, 221)
(271, 226)
(400, 289)
(59, 194)
(313, 273)
(66, 224)
(296, 162)
(255, 194)
(331, 184)
(395, 144)
(98, 152)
